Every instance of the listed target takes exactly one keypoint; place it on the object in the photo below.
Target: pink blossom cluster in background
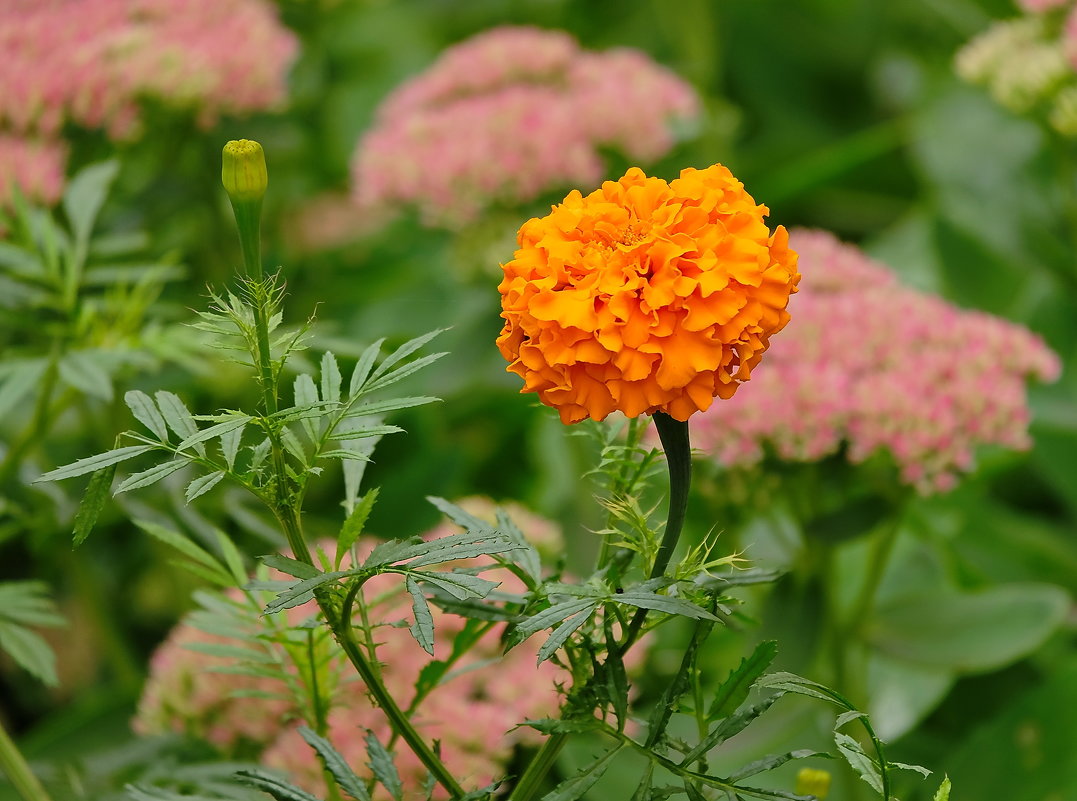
(867, 362)
(509, 114)
(36, 167)
(1029, 64)
(90, 62)
(472, 714)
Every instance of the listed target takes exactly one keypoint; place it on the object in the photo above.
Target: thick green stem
(674, 436)
(543, 762)
(14, 766)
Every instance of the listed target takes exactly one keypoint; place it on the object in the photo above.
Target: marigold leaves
(423, 627)
(344, 456)
(234, 422)
(273, 785)
(306, 396)
(331, 378)
(22, 604)
(30, 652)
(381, 764)
(178, 417)
(730, 726)
(576, 786)
(420, 553)
(290, 567)
(551, 616)
(866, 767)
(459, 515)
(354, 524)
(943, 793)
(230, 442)
(401, 373)
(734, 690)
(401, 353)
(81, 371)
(364, 433)
(616, 676)
(458, 585)
(145, 411)
(151, 475)
(526, 556)
(302, 591)
(389, 405)
(232, 558)
(200, 486)
(20, 382)
(363, 367)
(663, 603)
(772, 761)
(561, 634)
(343, 775)
(92, 503)
(202, 564)
(94, 463)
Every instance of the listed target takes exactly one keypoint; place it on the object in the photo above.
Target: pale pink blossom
(35, 167)
(876, 366)
(509, 114)
(1039, 6)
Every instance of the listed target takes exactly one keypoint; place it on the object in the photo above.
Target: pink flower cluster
(509, 114)
(867, 362)
(90, 62)
(35, 167)
(472, 713)
(1040, 6)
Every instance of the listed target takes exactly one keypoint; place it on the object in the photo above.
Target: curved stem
(13, 765)
(537, 768)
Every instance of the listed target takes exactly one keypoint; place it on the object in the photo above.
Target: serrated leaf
(401, 373)
(344, 456)
(772, 761)
(291, 567)
(616, 675)
(363, 367)
(792, 683)
(553, 615)
(178, 417)
(943, 793)
(230, 442)
(200, 486)
(389, 405)
(403, 352)
(561, 634)
(230, 652)
(574, 787)
(663, 603)
(381, 764)
(525, 555)
(331, 378)
(189, 549)
(84, 196)
(146, 412)
(306, 394)
(458, 585)
(293, 445)
(364, 433)
(864, 765)
(729, 727)
(94, 463)
(232, 558)
(423, 627)
(272, 785)
(92, 502)
(734, 690)
(151, 475)
(217, 430)
(301, 592)
(30, 651)
(353, 525)
(459, 515)
(343, 775)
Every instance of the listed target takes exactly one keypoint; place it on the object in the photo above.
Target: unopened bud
(243, 170)
(811, 781)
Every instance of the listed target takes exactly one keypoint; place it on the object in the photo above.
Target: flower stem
(538, 767)
(14, 766)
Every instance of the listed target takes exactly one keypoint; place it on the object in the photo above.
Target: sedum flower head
(645, 296)
(879, 367)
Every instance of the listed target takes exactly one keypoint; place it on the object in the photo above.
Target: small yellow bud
(243, 170)
(813, 782)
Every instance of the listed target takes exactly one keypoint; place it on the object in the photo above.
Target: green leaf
(344, 456)
(84, 196)
(402, 372)
(864, 765)
(575, 786)
(353, 525)
(389, 405)
(969, 631)
(92, 502)
(773, 761)
(291, 567)
(81, 371)
(525, 554)
(301, 592)
(344, 776)
(198, 555)
(663, 603)
(553, 615)
(94, 463)
(729, 727)
(236, 422)
(330, 378)
(232, 557)
(145, 411)
(200, 486)
(272, 785)
(459, 515)
(403, 352)
(734, 690)
(230, 442)
(423, 627)
(943, 793)
(691, 789)
(458, 585)
(561, 634)
(363, 433)
(616, 676)
(792, 683)
(363, 367)
(20, 382)
(30, 651)
(381, 763)
(178, 417)
(306, 395)
(151, 475)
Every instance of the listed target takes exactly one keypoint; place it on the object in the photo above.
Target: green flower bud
(243, 170)
(811, 781)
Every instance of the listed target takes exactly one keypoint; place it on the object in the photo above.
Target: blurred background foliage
(844, 115)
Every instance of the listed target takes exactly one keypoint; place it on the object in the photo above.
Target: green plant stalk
(14, 766)
(675, 442)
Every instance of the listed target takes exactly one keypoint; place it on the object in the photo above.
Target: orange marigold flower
(645, 296)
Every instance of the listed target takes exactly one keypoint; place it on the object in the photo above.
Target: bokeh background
(842, 115)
